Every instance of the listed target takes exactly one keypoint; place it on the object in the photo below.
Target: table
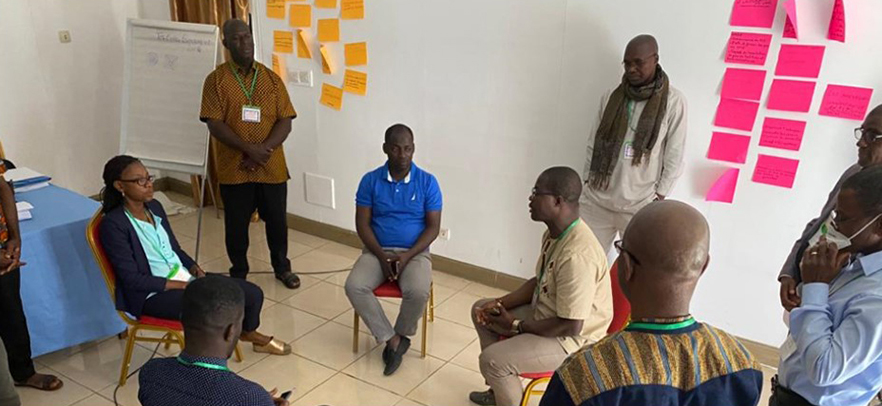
(65, 298)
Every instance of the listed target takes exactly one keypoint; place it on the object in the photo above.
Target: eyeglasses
(866, 135)
(638, 63)
(535, 192)
(620, 249)
(140, 181)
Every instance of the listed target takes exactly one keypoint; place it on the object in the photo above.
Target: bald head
(233, 25)
(670, 238)
(562, 181)
(238, 40)
(641, 60)
(643, 43)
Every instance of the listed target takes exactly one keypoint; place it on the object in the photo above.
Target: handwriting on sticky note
(753, 13)
(352, 9)
(332, 96)
(729, 147)
(279, 67)
(800, 60)
(791, 20)
(326, 3)
(326, 60)
(355, 53)
(775, 171)
(303, 50)
(283, 41)
(301, 15)
(723, 190)
(748, 48)
(275, 9)
(782, 134)
(743, 84)
(355, 82)
(737, 114)
(836, 31)
(329, 30)
(846, 102)
(791, 95)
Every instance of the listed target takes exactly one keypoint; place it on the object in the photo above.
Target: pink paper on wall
(846, 102)
(743, 84)
(836, 32)
(790, 8)
(775, 171)
(723, 189)
(737, 114)
(800, 60)
(783, 134)
(789, 29)
(753, 13)
(748, 48)
(791, 95)
(729, 147)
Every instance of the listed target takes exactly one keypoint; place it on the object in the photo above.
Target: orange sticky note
(329, 30)
(326, 3)
(352, 9)
(326, 60)
(332, 96)
(283, 41)
(302, 45)
(355, 53)
(355, 82)
(301, 15)
(275, 9)
(279, 67)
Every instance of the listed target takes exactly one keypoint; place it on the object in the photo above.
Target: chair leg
(168, 341)
(432, 302)
(525, 400)
(355, 332)
(238, 352)
(425, 332)
(127, 357)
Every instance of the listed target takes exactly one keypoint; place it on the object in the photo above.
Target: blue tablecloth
(65, 298)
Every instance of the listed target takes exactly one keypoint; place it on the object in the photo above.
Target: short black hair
(867, 184)
(562, 181)
(397, 129)
(212, 302)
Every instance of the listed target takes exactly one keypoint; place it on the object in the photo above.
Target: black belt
(782, 396)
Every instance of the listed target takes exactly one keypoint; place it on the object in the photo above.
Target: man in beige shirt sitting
(567, 305)
(635, 153)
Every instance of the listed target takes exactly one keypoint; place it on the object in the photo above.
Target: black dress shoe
(485, 398)
(397, 356)
(387, 353)
(289, 279)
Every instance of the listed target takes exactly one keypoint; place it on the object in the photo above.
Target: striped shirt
(659, 364)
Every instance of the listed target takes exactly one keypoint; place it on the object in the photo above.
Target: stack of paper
(26, 179)
(24, 210)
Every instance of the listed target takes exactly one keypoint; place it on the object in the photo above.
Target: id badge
(629, 150)
(250, 114)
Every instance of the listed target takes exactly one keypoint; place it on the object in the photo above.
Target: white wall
(497, 91)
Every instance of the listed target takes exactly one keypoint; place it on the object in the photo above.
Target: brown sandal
(274, 347)
(47, 383)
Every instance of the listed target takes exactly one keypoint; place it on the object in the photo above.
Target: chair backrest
(621, 306)
(93, 236)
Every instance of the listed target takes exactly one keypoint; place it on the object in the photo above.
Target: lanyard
(661, 327)
(172, 270)
(546, 254)
(247, 92)
(203, 365)
(630, 110)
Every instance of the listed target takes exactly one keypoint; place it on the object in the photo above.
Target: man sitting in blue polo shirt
(397, 216)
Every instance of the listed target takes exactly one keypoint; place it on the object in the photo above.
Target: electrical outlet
(444, 234)
(64, 36)
(301, 78)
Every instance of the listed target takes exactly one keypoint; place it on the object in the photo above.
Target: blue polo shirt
(398, 208)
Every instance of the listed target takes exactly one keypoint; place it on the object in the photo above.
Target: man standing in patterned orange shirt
(247, 109)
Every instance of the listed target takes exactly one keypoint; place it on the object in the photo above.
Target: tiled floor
(317, 320)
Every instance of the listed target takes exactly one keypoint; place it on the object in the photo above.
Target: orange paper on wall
(326, 3)
(301, 15)
(352, 9)
(279, 67)
(303, 50)
(275, 9)
(326, 60)
(329, 30)
(283, 41)
(355, 82)
(355, 53)
(332, 96)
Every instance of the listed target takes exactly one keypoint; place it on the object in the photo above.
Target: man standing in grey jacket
(869, 143)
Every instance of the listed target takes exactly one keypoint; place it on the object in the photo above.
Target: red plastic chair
(391, 289)
(172, 329)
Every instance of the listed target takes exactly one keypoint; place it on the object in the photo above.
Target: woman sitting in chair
(151, 268)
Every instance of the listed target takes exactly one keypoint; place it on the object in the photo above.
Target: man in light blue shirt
(833, 354)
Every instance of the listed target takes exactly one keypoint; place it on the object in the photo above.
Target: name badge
(629, 150)
(250, 114)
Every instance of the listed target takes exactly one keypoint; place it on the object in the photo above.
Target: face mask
(833, 235)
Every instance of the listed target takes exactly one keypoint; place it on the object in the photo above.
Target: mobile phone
(287, 394)
(495, 311)
(394, 270)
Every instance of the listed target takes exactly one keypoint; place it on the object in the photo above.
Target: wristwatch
(516, 326)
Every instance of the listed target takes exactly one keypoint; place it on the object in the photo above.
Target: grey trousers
(502, 361)
(8, 395)
(415, 282)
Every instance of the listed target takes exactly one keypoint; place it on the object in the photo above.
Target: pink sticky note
(791, 95)
(836, 32)
(748, 48)
(800, 60)
(723, 189)
(789, 29)
(846, 102)
(783, 134)
(775, 171)
(754, 13)
(729, 147)
(790, 8)
(743, 84)
(737, 114)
